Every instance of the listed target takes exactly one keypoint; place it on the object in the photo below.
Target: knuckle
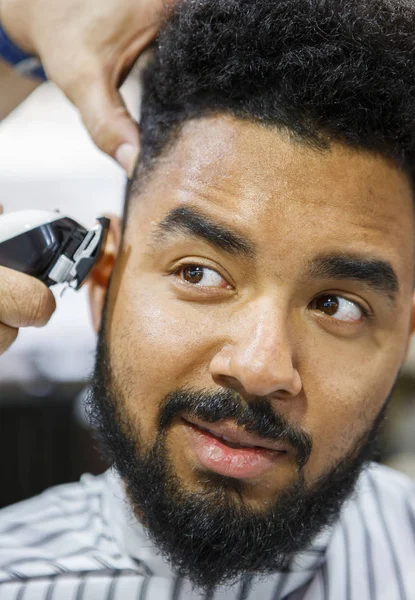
(24, 301)
(100, 131)
(40, 307)
(10, 307)
(106, 128)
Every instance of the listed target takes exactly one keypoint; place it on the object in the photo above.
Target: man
(254, 308)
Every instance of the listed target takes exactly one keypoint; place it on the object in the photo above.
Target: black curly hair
(323, 70)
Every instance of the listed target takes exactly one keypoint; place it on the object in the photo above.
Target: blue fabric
(13, 55)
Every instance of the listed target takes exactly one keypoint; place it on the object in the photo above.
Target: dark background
(43, 442)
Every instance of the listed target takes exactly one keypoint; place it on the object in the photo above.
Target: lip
(231, 432)
(212, 453)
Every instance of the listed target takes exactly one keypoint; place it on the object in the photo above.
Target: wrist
(15, 55)
(14, 26)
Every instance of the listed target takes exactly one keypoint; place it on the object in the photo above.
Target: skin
(24, 302)
(257, 329)
(18, 89)
(87, 48)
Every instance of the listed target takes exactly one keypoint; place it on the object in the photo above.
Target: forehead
(282, 193)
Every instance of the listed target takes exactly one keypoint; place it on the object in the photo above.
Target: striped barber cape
(81, 542)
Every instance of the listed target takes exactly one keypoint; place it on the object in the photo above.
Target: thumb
(107, 119)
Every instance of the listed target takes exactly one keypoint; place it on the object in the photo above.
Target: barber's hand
(24, 302)
(87, 47)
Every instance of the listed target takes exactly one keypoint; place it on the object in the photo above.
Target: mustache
(257, 417)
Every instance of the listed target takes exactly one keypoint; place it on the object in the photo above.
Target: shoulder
(67, 501)
(379, 519)
(381, 512)
(383, 500)
(61, 530)
(371, 553)
(391, 488)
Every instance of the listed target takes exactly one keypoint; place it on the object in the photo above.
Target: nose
(258, 358)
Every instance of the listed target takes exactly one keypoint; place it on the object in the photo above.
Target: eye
(338, 308)
(199, 275)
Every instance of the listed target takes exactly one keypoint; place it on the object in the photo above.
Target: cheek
(345, 398)
(155, 348)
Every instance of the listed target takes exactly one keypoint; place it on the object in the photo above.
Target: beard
(211, 536)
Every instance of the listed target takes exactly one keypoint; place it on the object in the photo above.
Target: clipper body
(50, 246)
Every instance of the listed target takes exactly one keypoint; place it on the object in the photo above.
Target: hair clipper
(50, 246)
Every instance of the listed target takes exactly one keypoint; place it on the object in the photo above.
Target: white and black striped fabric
(81, 542)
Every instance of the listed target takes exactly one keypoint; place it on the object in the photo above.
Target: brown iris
(193, 274)
(328, 305)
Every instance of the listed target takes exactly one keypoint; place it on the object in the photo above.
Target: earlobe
(99, 277)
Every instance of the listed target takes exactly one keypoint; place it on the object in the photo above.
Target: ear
(99, 277)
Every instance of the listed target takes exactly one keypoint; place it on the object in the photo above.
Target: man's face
(280, 279)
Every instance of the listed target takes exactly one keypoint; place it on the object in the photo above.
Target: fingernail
(126, 156)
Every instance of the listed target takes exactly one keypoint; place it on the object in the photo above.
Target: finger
(7, 336)
(106, 117)
(126, 156)
(24, 301)
(1, 209)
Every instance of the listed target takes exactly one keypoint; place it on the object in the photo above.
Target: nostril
(230, 383)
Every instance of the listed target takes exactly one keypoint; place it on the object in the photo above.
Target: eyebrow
(191, 221)
(375, 273)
